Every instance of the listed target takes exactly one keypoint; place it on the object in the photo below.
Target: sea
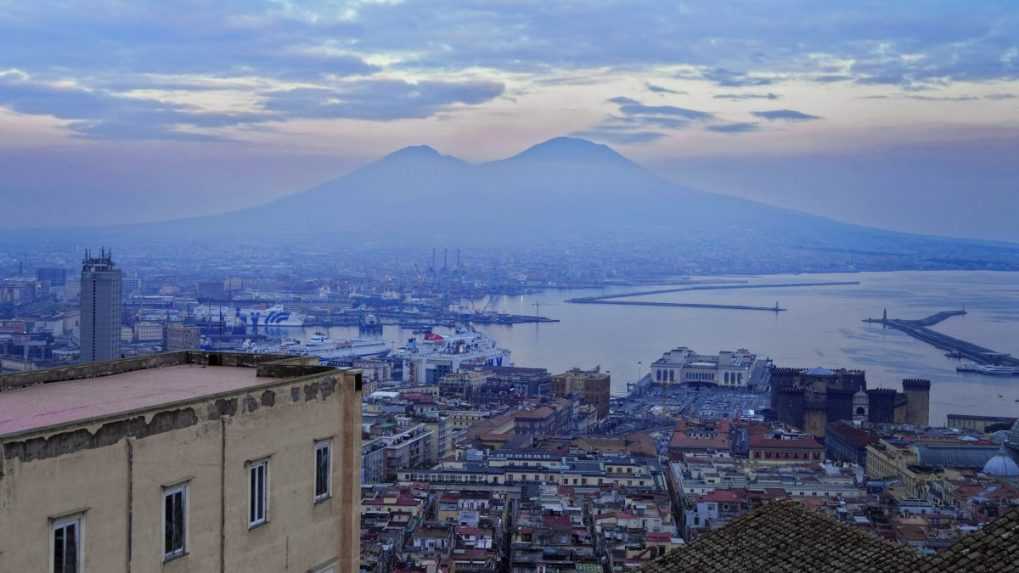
(822, 326)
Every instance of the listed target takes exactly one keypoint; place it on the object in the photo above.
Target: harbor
(984, 360)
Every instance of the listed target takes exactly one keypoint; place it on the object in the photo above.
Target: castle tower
(861, 407)
(918, 401)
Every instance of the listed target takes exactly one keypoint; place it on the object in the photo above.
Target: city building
(727, 369)
(183, 461)
(180, 336)
(373, 461)
(811, 398)
(845, 442)
(916, 462)
(100, 308)
(411, 448)
(593, 387)
(979, 423)
(54, 276)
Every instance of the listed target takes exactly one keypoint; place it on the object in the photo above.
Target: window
(175, 504)
(323, 469)
(67, 556)
(258, 479)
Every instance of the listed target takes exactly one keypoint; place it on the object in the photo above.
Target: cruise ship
(427, 358)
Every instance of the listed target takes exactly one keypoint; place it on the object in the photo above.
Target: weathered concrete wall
(288, 366)
(114, 473)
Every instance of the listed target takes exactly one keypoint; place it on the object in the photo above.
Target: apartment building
(181, 462)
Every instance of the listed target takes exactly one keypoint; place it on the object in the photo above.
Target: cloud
(653, 88)
(733, 128)
(784, 115)
(102, 114)
(620, 136)
(639, 123)
(632, 107)
(831, 78)
(733, 43)
(731, 79)
(941, 98)
(944, 98)
(739, 97)
(229, 37)
(381, 100)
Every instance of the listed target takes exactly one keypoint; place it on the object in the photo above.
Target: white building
(684, 366)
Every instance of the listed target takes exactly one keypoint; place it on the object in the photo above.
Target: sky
(903, 115)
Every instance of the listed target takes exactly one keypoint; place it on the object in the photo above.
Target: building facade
(181, 462)
(100, 308)
(813, 398)
(593, 387)
(729, 369)
(180, 336)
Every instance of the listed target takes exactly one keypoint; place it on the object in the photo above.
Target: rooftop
(50, 398)
(785, 536)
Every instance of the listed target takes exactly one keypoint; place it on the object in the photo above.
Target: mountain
(575, 196)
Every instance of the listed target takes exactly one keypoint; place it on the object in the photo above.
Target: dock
(920, 330)
(614, 298)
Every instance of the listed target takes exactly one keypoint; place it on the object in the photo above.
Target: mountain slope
(567, 194)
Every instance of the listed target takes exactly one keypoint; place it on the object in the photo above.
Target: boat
(259, 317)
(326, 349)
(329, 350)
(988, 370)
(425, 359)
(272, 316)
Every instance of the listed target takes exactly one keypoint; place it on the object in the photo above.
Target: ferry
(425, 359)
(341, 350)
(259, 317)
(321, 346)
(988, 370)
(272, 316)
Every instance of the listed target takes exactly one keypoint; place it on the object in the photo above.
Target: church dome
(1001, 465)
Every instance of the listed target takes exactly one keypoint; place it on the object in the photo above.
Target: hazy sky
(900, 114)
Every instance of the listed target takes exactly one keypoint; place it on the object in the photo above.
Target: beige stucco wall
(211, 455)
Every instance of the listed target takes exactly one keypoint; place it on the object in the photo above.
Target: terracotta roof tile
(787, 537)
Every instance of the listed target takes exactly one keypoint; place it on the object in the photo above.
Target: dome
(1001, 465)
(1013, 436)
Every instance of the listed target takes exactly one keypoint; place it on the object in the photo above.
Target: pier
(920, 330)
(614, 298)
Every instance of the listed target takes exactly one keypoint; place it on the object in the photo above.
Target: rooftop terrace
(45, 399)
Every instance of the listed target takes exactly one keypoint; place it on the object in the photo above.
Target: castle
(811, 398)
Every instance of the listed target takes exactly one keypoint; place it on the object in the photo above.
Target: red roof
(680, 440)
(557, 521)
(798, 443)
(722, 496)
